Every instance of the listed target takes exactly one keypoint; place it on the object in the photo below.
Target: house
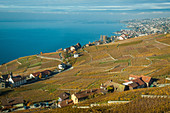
(62, 66)
(78, 45)
(5, 77)
(87, 45)
(147, 80)
(140, 83)
(36, 75)
(82, 95)
(76, 55)
(115, 86)
(46, 73)
(14, 102)
(98, 43)
(120, 38)
(133, 86)
(17, 81)
(73, 48)
(66, 49)
(127, 83)
(63, 96)
(65, 103)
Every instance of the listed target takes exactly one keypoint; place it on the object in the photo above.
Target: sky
(135, 8)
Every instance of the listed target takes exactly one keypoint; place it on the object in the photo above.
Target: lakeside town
(139, 28)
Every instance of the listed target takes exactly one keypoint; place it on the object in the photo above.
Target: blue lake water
(23, 38)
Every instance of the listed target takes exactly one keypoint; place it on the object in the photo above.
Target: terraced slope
(147, 56)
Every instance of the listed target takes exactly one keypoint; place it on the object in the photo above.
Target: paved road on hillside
(49, 58)
(162, 43)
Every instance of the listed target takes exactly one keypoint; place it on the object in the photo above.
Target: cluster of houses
(64, 99)
(134, 82)
(9, 80)
(72, 50)
(15, 81)
(103, 40)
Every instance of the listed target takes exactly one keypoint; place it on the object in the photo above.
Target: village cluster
(144, 27)
(66, 99)
(9, 80)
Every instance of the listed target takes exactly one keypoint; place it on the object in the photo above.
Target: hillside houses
(73, 48)
(17, 80)
(36, 75)
(148, 80)
(136, 82)
(64, 100)
(82, 95)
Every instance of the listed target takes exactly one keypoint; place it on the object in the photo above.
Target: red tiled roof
(17, 78)
(126, 80)
(86, 93)
(138, 81)
(36, 74)
(134, 85)
(146, 78)
(64, 96)
(66, 103)
(46, 72)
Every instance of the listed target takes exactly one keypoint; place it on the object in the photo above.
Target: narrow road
(19, 62)
(112, 57)
(49, 58)
(161, 43)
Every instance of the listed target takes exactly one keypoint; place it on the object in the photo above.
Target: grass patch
(131, 43)
(36, 64)
(165, 56)
(106, 62)
(121, 61)
(23, 65)
(129, 62)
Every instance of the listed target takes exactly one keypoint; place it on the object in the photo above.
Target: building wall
(2, 85)
(74, 98)
(31, 76)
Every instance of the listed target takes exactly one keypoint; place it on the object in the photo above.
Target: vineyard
(98, 64)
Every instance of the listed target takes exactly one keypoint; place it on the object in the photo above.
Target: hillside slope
(149, 56)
